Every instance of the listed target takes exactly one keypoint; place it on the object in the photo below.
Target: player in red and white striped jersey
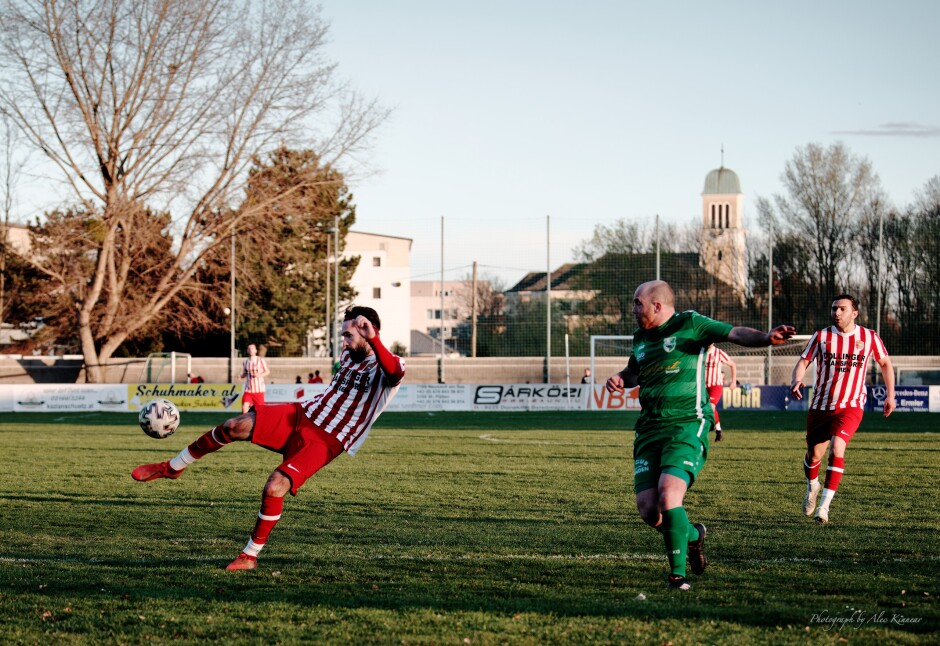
(715, 381)
(308, 434)
(841, 353)
(254, 370)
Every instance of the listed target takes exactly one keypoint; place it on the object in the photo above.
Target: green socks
(678, 532)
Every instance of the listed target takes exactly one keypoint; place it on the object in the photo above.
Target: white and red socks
(811, 471)
(833, 477)
(271, 508)
(208, 442)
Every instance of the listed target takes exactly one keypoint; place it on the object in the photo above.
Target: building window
(376, 261)
(376, 292)
(431, 316)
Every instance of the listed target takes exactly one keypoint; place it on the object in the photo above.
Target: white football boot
(809, 502)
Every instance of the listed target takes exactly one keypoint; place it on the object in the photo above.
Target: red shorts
(823, 425)
(284, 429)
(715, 393)
(253, 399)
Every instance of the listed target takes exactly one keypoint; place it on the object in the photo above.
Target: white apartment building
(383, 281)
(426, 305)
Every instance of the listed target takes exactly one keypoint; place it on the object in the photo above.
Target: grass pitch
(461, 528)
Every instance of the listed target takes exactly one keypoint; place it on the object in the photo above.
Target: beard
(358, 354)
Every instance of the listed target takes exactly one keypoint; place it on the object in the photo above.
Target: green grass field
(463, 528)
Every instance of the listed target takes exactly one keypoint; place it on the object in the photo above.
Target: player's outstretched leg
(208, 442)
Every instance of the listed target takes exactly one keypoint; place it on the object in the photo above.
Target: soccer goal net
(161, 367)
(755, 366)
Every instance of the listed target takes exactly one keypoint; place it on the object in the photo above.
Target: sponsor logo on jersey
(687, 463)
(640, 352)
(669, 343)
(640, 466)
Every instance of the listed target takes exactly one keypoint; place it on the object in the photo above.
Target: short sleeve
(710, 330)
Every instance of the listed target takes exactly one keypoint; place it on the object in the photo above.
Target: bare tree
(165, 102)
(10, 172)
(828, 192)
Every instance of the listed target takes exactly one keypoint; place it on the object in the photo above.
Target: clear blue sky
(505, 112)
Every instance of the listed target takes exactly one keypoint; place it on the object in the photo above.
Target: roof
(423, 344)
(562, 278)
(722, 181)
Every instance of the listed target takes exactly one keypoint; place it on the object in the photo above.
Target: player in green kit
(671, 445)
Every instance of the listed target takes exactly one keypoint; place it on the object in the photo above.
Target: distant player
(714, 381)
(671, 445)
(841, 353)
(254, 370)
(309, 434)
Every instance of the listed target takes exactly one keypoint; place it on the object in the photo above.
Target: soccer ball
(159, 418)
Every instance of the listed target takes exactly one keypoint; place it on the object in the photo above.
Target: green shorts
(678, 447)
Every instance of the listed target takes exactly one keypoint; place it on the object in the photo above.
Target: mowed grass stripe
(433, 534)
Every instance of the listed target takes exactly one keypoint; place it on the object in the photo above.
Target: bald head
(654, 303)
(659, 291)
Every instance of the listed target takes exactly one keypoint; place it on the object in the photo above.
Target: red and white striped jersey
(353, 400)
(254, 369)
(713, 361)
(841, 365)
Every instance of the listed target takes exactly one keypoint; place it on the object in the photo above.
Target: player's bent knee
(277, 485)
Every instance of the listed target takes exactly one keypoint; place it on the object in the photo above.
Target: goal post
(161, 366)
(609, 346)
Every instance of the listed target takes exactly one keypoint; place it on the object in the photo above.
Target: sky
(524, 124)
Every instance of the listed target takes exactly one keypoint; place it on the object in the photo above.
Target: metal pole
(567, 370)
(327, 328)
(657, 246)
(440, 375)
(335, 287)
(881, 281)
(548, 301)
(881, 278)
(473, 312)
(231, 356)
(770, 297)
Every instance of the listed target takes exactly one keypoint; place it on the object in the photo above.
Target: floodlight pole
(336, 286)
(327, 328)
(440, 373)
(548, 301)
(231, 356)
(770, 297)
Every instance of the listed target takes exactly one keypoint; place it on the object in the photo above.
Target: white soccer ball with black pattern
(159, 418)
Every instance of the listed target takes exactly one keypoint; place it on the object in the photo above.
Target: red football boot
(148, 472)
(243, 562)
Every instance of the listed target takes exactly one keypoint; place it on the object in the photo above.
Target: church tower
(724, 254)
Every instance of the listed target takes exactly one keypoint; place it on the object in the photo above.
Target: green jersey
(671, 362)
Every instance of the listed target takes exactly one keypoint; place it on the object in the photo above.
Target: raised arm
(751, 338)
(388, 362)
